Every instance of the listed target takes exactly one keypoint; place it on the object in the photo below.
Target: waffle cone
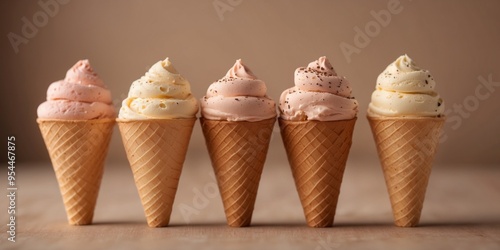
(156, 150)
(406, 148)
(317, 152)
(78, 150)
(238, 151)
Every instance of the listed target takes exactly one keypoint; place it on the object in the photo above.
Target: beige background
(456, 40)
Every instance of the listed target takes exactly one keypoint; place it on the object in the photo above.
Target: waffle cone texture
(238, 151)
(317, 152)
(406, 148)
(156, 150)
(78, 151)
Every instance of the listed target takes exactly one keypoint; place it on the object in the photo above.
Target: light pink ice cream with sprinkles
(319, 94)
(238, 96)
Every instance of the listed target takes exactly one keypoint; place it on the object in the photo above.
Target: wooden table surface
(462, 211)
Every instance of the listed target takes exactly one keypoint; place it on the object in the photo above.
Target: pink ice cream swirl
(319, 94)
(82, 95)
(238, 96)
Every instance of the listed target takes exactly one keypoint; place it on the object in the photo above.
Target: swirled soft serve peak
(319, 94)
(404, 89)
(162, 93)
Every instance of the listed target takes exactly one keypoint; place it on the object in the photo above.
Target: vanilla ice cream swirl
(162, 93)
(404, 89)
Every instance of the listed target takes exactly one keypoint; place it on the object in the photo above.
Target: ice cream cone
(238, 151)
(78, 149)
(317, 152)
(406, 148)
(156, 150)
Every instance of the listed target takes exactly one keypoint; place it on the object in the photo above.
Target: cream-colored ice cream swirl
(162, 93)
(404, 89)
(82, 95)
(319, 94)
(238, 96)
